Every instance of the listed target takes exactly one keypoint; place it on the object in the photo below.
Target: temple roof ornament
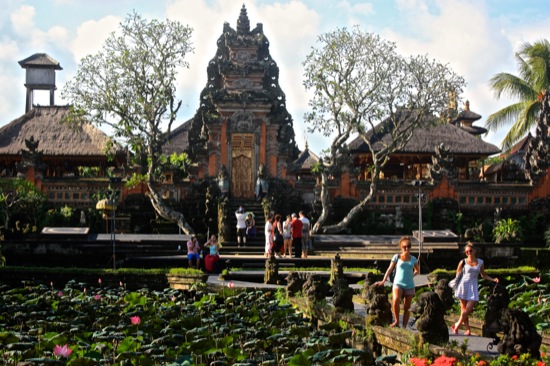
(243, 24)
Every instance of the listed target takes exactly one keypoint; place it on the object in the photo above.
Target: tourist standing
(278, 240)
(268, 231)
(241, 226)
(467, 291)
(407, 267)
(287, 237)
(194, 252)
(296, 227)
(306, 231)
(250, 226)
(213, 253)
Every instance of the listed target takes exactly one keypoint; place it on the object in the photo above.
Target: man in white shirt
(241, 226)
(306, 231)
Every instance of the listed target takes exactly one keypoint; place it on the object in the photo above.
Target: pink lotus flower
(231, 284)
(135, 320)
(97, 297)
(85, 291)
(121, 284)
(59, 293)
(64, 351)
(173, 298)
(536, 279)
(99, 280)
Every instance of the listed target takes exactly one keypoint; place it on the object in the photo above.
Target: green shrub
(508, 231)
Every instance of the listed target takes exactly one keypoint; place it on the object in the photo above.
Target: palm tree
(534, 69)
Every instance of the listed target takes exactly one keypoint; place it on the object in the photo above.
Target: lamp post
(419, 183)
(113, 198)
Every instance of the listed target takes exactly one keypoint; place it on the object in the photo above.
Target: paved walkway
(476, 344)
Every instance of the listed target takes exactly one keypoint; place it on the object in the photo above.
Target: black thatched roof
(424, 141)
(178, 140)
(306, 159)
(55, 138)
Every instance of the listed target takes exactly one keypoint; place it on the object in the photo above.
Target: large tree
(130, 86)
(19, 195)
(358, 79)
(533, 62)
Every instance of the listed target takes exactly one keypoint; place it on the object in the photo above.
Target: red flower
(135, 320)
(444, 361)
(418, 361)
(514, 357)
(540, 363)
(482, 363)
(536, 279)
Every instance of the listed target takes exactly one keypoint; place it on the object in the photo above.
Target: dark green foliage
(284, 199)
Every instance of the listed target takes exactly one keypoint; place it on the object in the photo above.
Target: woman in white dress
(268, 235)
(467, 291)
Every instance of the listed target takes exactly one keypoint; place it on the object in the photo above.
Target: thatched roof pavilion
(60, 144)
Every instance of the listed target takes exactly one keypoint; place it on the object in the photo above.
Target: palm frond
(526, 120)
(505, 116)
(512, 86)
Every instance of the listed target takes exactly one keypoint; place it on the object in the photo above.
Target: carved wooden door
(242, 165)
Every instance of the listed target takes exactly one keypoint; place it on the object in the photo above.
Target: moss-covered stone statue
(430, 314)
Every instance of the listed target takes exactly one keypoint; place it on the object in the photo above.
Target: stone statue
(342, 297)
(430, 314)
(271, 275)
(497, 302)
(314, 289)
(262, 186)
(442, 165)
(445, 293)
(336, 269)
(223, 182)
(520, 335)
(295, 282)
(377, 305)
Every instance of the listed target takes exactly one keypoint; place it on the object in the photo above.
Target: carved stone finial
(243, 24)
(467, 105)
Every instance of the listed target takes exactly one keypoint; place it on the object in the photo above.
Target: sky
(476, 38)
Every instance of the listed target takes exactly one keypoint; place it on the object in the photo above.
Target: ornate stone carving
(223, 182)
(520, 335)
(31, 157)
(271, 275)
(497, 302)
(336, 269)
(442, 164)
(377, 305)
(314, 289)
(295, 282)
(342, 297)
(430, 314)
(445, 293)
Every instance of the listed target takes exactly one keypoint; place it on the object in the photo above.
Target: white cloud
(22, 20)
(91, 35)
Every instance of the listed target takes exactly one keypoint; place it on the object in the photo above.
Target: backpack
(392, 274)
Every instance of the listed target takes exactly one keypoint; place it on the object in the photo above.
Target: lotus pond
(81, 324)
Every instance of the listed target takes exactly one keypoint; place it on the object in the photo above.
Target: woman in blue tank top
(407, 267)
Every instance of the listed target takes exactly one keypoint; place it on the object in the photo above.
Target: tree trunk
(325, 202)
(167, 212)
(344, 223)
